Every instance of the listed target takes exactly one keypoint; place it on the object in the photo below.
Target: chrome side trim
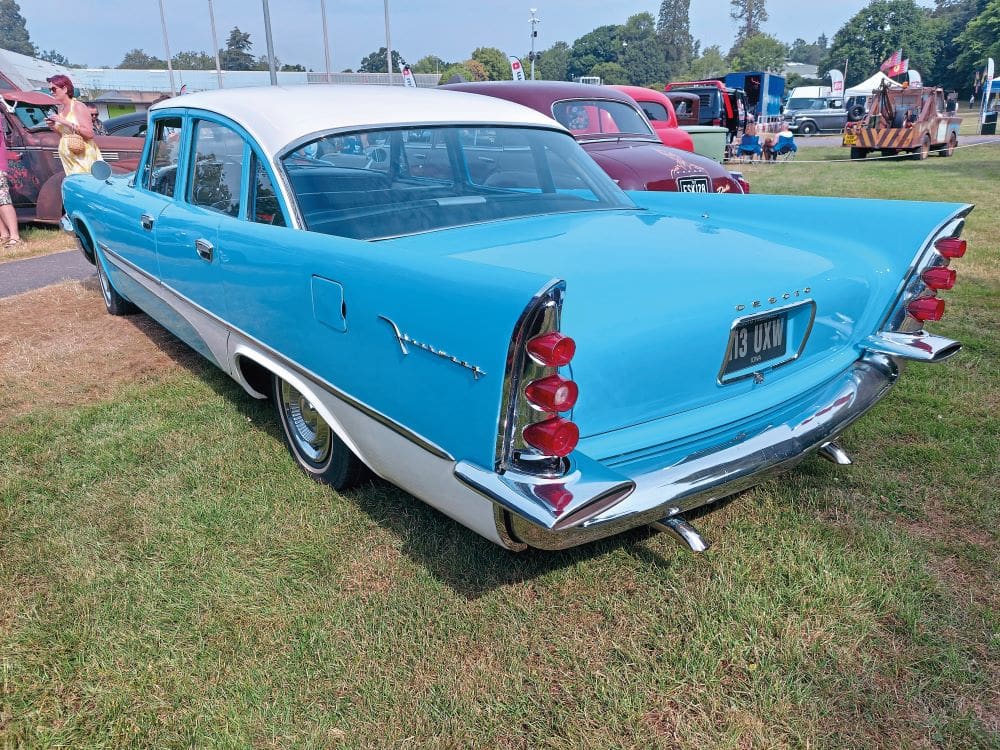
(703, 477)
(180, 302)
(920, 346)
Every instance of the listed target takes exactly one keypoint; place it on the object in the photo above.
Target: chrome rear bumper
(606, 502)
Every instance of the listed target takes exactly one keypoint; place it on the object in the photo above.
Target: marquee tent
(865, 88)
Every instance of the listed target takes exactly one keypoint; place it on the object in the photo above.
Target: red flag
(899, 69)
(892, 62)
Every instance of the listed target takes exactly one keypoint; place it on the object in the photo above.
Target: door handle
(147, 222)
(204, 248)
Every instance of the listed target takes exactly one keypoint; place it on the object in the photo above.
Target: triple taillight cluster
(550, 395)
(937, 278)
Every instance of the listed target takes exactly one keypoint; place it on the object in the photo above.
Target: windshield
(32, 116)
(596, 116)
(375, 184)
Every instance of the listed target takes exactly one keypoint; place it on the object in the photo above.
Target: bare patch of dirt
(38, 241)
(59, 347)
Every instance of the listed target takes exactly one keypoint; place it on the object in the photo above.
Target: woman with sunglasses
(73, 119)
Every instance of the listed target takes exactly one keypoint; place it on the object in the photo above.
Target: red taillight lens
(717, 122)
(926, 308)
(951, 247)
(553, 437)
(552, 393)
(552, 349)
(939, 278)
(555, 495)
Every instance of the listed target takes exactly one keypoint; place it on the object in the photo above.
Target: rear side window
(265, 208)
(217, 168)
(160, 174)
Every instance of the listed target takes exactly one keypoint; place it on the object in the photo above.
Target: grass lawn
(38, 240)
(168, 579)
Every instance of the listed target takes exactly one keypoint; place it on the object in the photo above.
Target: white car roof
(279, 115)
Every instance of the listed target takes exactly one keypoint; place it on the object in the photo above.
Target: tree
(674, 31)
(610, 73)
(237, 54)
(375, 62)
(878, 30)
(810, 53)
(456, 71)
(759, 52)
(296, 68)
(56, 58)
(136, 59)
(429, 64)
(495, 62)
(14, 31)
(193, 61)
(600, 45)
(641, 55)
(750, 15)
(553, 63)
(981, 39)
(711, 64)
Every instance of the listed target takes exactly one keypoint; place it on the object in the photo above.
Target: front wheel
(925, 149)
(949, 149)
(859, 153)
(808, 128)
(113, 301)
(314, 446)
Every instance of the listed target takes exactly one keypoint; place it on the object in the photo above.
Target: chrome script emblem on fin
(403, 339)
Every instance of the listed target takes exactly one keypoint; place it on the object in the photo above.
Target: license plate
(756, 341)
(850, 139)
(692, 185)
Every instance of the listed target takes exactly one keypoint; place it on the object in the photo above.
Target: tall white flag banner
(408, 80)
(914, 77)
(516, 69)
(987, 85)
(836, 82)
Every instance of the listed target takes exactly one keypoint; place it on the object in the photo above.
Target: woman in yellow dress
(77, 149)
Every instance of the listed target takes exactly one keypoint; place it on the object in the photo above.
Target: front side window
(216, 169)
(384, 183)
(584, 117)
(160, 175)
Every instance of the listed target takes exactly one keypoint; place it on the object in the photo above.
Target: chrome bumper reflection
(695, 480)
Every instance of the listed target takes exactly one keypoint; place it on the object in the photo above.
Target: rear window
(376, 184)
(655, 111)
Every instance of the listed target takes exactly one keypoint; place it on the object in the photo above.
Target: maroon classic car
(613, 130)
(35, 173)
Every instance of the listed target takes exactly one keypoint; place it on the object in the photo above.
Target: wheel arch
(252, 369)
(49, 206)
(85, 236)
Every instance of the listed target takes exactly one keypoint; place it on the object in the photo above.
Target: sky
(99, 33)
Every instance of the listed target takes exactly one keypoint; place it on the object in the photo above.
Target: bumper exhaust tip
(833, 453)
(682, 532)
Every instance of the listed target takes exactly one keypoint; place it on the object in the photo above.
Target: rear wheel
(949, 149)
(859, 153)
(314, 446)
(808, 128)
(113, 301)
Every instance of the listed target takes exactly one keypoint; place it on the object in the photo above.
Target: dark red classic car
(616, 134)
(35, 173)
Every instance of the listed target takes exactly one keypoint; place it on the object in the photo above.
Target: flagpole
(270, 45)
(326, 39)
(166, 47)
(215, 43)
(388, 42)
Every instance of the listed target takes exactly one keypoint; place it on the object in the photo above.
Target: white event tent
(865, 88)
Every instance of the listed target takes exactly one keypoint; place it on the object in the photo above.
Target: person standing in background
(77, 149)
(9, 236)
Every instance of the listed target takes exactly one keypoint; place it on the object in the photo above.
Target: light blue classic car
(444, 289)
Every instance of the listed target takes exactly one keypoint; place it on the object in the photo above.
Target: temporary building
(865, 88)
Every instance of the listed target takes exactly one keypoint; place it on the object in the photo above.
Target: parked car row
(445, 289)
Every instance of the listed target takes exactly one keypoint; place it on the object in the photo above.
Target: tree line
(946, 43)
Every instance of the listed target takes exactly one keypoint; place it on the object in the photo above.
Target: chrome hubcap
(306, 428)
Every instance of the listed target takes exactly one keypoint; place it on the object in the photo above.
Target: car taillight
(926, 308)
(939, 278)
(951, 247)
(553, 437)
(552, 349)
(552, 394)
